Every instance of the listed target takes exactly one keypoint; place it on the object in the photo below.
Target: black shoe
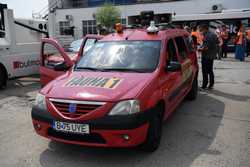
(203, 88)
(211, 87)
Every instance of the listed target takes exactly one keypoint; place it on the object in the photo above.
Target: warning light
(118, 28)
(152, 28)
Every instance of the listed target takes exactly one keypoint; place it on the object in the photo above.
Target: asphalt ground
(212, 131)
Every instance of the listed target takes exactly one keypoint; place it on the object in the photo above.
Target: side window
(2, 27)
(172, 55)
(189, 43)
(51, 56)
(65, 29)
(181, 47)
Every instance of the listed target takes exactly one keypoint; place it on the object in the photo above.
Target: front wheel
(3, 78)
(194, 90)
(154, 135)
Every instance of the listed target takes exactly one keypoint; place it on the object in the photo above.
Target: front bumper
(108, 131)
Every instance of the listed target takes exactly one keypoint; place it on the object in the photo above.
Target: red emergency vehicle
(119, 91)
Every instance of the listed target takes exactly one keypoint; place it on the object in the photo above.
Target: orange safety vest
(248, 34)
(240, 40)
(198, 35)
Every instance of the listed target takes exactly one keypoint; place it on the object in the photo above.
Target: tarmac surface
(213, 131)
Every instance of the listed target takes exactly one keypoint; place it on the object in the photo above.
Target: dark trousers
(240, 52)
(224, 50)
(219, 52)
(207, 71)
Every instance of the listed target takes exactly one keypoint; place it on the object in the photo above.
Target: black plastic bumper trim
(120, 122)
(89, 138)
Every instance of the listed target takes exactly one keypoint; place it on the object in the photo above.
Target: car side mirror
(62, 66)
(173, 66)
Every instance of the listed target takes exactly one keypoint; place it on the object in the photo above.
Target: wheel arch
(4, 69)
(161, 107)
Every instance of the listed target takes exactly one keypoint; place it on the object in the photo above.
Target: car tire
(154, 135)
(3, 78)
(194, 90)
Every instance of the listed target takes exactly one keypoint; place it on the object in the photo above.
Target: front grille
(82, 107)
(88, 138)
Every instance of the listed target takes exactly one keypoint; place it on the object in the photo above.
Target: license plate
(71, 127)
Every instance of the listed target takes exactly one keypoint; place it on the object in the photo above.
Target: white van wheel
(3, 77)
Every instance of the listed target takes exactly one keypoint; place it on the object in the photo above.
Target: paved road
(212, 131)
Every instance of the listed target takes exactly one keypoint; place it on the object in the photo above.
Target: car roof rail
(161, 26)
(134, 26)
(164, 26)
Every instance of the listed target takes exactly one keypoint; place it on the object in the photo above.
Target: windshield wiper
(125, 70)
(113, 69)
(89, 68)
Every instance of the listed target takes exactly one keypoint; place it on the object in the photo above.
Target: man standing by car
(208, 54)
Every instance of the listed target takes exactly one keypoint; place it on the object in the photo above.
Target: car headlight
(40, 102)
(126, 108)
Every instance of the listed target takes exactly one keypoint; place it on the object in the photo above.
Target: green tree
(107, 16)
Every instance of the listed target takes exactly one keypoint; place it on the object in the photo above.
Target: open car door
(55, 61)
(87, 43)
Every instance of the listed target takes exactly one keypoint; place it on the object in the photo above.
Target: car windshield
(134, 56)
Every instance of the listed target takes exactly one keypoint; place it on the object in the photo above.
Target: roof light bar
(118, 28)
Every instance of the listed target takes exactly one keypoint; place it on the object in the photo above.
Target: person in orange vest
(248, 42)
(197, 35)
(194, 36)
(239, 41)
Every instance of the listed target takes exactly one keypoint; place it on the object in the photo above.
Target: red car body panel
(129, 85)
(149, 88)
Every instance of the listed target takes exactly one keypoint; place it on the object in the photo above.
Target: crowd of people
(214, 45)
(241, 40)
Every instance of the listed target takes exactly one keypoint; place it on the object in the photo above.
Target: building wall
(226, 3)
(184, 7)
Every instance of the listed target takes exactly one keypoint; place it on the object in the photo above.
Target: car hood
(97, 86)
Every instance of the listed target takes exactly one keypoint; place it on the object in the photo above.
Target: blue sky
(24, 8)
